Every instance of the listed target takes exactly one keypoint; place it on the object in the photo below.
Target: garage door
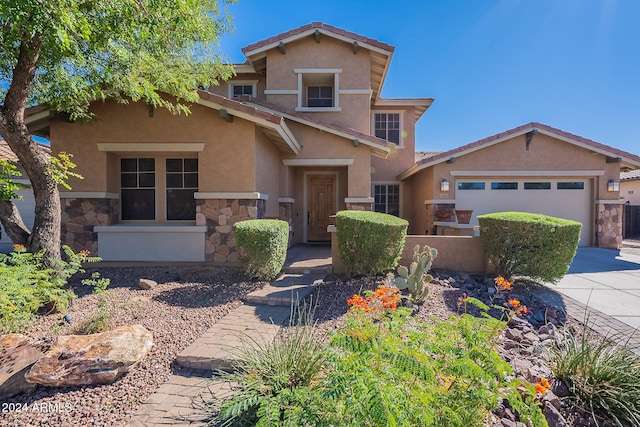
(566, 198)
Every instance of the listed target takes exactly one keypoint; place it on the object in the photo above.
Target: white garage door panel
(570, 204)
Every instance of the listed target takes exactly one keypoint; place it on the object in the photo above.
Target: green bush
(603, 375)
(28, 287)
(264, 246)
(370, 242)
(525, 244)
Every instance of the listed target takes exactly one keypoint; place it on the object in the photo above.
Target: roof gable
(380, 52)
(606, 150)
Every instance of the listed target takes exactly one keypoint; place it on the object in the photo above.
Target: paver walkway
(180, 401)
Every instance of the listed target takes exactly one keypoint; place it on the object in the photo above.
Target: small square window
(242, 90)
(320, 96)
(387, 127)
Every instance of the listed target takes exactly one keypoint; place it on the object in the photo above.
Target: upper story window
(238, 89)
(387, 126)
(318, 89)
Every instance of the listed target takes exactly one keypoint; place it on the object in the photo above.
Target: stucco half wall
(455, 253)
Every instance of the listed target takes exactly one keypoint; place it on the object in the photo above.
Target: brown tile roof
(520, 130)
(317, 25)
(6, 153)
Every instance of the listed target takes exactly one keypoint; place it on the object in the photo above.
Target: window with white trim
(387, 126)
(181, 184)
(242, 88)
(138, 189)
(386, 198)
(318, 89)
(142, 195)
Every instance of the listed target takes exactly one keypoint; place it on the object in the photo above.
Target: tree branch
(12, 223)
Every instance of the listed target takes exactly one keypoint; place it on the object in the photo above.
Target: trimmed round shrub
(263, 244)
(370, 242)
(538, 246)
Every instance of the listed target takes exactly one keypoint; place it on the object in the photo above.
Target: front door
(321, 204)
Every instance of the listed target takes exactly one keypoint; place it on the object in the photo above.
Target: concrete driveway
(606, 280)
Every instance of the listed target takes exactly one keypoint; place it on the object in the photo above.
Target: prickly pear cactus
(416, 278)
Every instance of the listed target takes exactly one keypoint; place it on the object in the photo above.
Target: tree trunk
(35, 161)
(12, 223)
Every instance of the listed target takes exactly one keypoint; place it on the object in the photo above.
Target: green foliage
(129, 50)
(416, 278)
(264, 246)
(60, 169)
(370, 242)
(270, 375)
(524, 244)
(8, 187)
(28, 287)
(388, 371)
(604, 376)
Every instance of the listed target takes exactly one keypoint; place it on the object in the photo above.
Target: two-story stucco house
(299, 133)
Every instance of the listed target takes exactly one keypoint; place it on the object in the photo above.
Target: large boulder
(91, 359)
(17, 354)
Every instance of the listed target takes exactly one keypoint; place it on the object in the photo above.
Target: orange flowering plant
(378, 302)
(543, 386)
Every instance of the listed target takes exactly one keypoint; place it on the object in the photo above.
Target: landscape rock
(553, 416)
(91, 359)
(147, 284)
(17, 354)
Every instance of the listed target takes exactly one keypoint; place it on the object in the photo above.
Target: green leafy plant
(416, 278)
(29, 288)
(603, 375)
(533, 245)
(270, 376)
(263, 244)
(8, 187)
(370, 242)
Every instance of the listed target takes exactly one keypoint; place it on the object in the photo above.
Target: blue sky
(491, 65)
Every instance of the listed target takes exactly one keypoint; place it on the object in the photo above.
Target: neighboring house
(26, 206)
(630, 187)
(299, 133)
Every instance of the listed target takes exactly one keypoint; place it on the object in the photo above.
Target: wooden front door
(321, 204)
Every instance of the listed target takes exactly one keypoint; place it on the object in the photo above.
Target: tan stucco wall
(422, 187)
(268, 166)
(328, 54)
(227, 162)
(630, 192)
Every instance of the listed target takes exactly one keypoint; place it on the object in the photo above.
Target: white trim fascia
(286, 200)
(152, 228)
(355, 91)
(281, 91)
(440, 202)
(403, 102)
(88, 195)
(244, 68)
(37, 116)
(610, 202)
(306, 33)
(150, 146)
(377, 148)
(248, 195)
(358, 199)
(319, 109)
(317, 70)
(317, 162)
(547, 173)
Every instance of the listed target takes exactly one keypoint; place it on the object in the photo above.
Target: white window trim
(252, 83)
(336, 89)
(373, 124)
(399, 184)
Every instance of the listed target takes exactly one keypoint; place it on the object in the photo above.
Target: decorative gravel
(186, 302)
